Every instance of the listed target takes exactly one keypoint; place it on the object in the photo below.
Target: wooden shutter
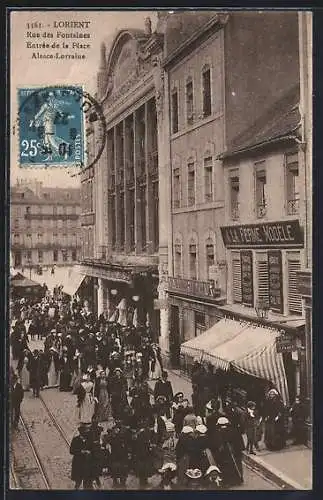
(236, 277)
(262, 278)
(294, 297)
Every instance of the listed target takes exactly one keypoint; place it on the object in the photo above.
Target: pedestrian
(298, 414)
(66, 369)
(275, 437)
(119, 441)
(227, 451)
(97, 452)
(17, 395)
(85, 400)
(82, 462)
(117, 387)
(35, 372)
(23, 369)
(163, 387)
(251, 421)
(103, 409)
(179, 410)
(143, 456)
(52, 363)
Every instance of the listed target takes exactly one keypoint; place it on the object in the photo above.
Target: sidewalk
(290, 468)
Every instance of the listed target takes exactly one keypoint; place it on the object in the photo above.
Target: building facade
(125, 194)
(197, 282)
(44, 225)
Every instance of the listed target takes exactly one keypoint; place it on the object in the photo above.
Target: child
(251, 426)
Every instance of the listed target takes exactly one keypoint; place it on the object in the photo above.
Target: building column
(117, 198)
(164, 183)
(100, 299)
(150, 201)
(164, 318)
(138, 234)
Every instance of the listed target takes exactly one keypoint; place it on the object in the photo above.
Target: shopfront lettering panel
(246, 278)
(268, 234)
(275, 278)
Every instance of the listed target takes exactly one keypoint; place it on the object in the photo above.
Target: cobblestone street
(54, 452)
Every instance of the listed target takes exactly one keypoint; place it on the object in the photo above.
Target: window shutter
(262, 275)
(294, 297)
(236, 278)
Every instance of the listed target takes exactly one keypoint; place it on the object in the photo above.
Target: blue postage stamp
(51, 126)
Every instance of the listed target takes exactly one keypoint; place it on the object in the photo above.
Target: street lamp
(135, 298)
(114, 292)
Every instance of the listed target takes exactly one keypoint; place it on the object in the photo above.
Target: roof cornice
(218, 21)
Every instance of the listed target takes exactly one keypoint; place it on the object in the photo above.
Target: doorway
(174, 337)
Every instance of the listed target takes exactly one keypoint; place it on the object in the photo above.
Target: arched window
(190, 182)
(193, 261)
(206, 88)
(178, 258)
(210, 255)
(208, 178)
(189, 101)
(174, 109)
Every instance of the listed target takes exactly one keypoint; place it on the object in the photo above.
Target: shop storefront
(263, 262)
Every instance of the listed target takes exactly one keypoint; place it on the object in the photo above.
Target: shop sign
(268, 234)
(160, 304)
(275, 281)
(246, 278)
(285, 343)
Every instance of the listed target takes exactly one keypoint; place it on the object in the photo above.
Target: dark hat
(178, 395)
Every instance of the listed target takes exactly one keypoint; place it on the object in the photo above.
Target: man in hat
(180, 408)
(35, 372)
(119, 439)
(82, 463)
(66, 370)
(163, 387)
(17, 395)
(117, 388)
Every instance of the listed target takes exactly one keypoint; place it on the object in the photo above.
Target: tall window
(261, 190)
(40, 256)
(113, 221)
(234, 197)
(206, 83)
(122, 221)
(210, 255)
(189, 101)
(190, 184)
(193, 261)
(178, 259)
(262, 278)
(292, 184)
(55, 255)
(132, 219)
(174, 100)
(27, 210)
(143, 204)
(74, 255)
(208, 179)
(155, 216)
(177, 188)
(294, 299)
(236, 277)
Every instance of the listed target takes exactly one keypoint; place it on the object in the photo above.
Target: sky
(27, 71)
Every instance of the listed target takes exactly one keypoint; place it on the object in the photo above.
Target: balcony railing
(261, 209)
(293, 207)
(194, 287)
(235, 210)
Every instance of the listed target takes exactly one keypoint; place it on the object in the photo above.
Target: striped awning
(247, 348)
(220, 332)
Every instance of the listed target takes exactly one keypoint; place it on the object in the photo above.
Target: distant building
(44, 225)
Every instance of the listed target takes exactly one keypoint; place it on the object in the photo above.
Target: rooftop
(279, 122)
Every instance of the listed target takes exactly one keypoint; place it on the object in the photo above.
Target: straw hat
(202, 429)
(187, 429)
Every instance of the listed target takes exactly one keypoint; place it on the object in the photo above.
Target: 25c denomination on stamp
(51, 126)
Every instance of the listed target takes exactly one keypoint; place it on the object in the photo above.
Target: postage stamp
(51, 126)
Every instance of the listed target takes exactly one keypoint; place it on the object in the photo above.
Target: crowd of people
(108, 367)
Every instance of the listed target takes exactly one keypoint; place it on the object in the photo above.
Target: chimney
(102, 73)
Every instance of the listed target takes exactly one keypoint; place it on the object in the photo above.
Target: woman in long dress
(23, 370)
(53, 367)
(86, 400)
(155, 371)
(103, 412)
